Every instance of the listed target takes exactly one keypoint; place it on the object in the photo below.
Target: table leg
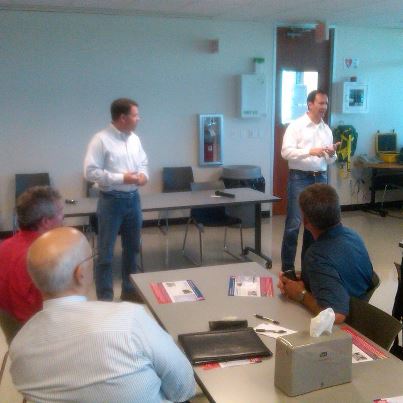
(257, 250)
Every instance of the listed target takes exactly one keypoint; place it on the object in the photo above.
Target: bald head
(59, 264)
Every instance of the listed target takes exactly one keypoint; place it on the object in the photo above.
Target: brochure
(176, 291)
(235, 363)
(250, 286)
(396, 399)
(363, 350)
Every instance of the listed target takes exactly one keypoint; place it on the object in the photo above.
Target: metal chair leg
(227, 250)
(201, 247)
(241, 234)
(186, 234)
(384, 194)
(141, 255)
(160, 217)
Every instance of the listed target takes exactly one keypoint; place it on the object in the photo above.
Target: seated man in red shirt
(39, 209)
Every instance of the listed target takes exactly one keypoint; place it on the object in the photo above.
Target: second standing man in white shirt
(308, 147)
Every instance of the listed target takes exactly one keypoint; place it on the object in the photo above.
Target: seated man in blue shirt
(336, 266)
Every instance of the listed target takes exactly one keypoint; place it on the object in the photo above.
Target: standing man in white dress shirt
(308, 147)
(116, 161)
(76, 350)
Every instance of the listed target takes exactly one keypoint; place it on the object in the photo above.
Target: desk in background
(255, 382)
(185, 200)
(383, 173)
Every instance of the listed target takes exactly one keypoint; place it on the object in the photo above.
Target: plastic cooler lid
(241, 172)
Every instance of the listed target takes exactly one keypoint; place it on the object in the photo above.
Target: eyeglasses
(93, 256)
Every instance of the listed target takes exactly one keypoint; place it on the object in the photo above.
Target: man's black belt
(309, 173)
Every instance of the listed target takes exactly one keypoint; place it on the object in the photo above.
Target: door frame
(332, 36)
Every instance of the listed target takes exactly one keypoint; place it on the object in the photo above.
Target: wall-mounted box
(253, 95)
(355, 97)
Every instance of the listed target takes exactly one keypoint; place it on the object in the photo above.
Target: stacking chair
(373, 323)
(93, 192)
(397, 311)
(10, 327)
(211, 217)
(26, 181)
(375, 284)
(174, 179)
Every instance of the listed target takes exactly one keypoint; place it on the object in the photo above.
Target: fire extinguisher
(209, 135)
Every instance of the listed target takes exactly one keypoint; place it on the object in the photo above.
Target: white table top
(255, 383)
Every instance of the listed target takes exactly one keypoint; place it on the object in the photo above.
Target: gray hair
(55, 273)
(320, 205)
(34, 204)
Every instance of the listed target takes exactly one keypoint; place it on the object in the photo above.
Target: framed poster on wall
(355, 97)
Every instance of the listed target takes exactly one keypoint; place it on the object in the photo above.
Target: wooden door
(297, 53)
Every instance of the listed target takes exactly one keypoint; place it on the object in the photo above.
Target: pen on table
(276, 322)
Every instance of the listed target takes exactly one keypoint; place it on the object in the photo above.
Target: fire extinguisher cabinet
(210, 140)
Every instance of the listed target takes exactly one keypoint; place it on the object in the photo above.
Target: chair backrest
(207, 214)
(92, 190)
(375, 284)
(25, 181)
(397, 311)
(373, 323)
(176, 179)
(212, 185)
(9, 325)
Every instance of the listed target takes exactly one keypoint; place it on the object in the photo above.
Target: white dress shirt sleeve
(94, 163)
(290, 149)
(170, 364)
(142, 162)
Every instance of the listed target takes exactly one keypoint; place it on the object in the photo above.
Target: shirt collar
(119, 134)
(308, 121)
(29, 234)
(63, 300)
(332, 231)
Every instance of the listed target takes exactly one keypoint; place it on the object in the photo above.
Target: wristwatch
(301, 296)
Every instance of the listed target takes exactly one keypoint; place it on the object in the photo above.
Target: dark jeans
(117, 211)
(297, 182)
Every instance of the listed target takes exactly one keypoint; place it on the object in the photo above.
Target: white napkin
(322, 323)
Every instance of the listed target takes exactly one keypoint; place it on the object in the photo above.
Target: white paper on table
(359, 355)
(179, 291)
(247, 286)
(270, 326)
(235, 363)
(396, 399)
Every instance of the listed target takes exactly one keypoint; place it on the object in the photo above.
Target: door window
(295, 86)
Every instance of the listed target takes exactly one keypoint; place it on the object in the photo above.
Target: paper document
(235, 363)
(250, 286)
(396, 399)
(363, 350)
(273, 331)
(176, 291)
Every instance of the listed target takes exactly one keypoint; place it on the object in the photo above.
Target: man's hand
(291, 289)
(130, 178)
(134, 178)
(330, 150)
(317, 152)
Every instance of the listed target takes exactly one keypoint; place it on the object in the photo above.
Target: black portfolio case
(223, 345)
